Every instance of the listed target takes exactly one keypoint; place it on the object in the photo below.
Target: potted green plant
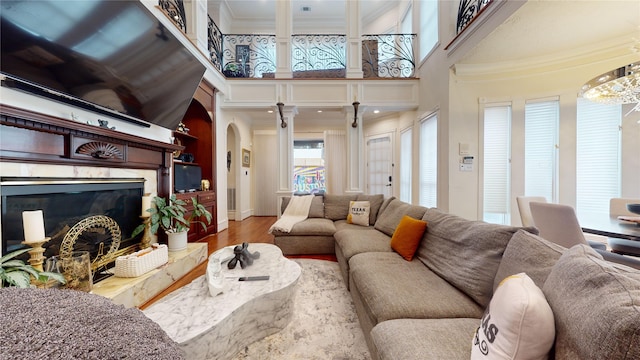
(171, 217)
(15, 272)
(232, 70)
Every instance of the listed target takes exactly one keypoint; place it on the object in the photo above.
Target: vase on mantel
(177, 240)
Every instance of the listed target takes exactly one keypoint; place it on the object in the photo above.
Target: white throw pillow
(518, 323)
(359, 213)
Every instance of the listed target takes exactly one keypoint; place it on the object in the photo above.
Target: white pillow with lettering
(518, 323)
(359, 213)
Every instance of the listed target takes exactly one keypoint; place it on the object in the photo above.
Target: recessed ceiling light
(376, 111)
(319, 111)
(270, 111)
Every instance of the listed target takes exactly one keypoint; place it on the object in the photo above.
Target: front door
(380, 165)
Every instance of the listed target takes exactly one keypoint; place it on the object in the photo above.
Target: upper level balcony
(314, 55)
(311, 55)
(339, 66)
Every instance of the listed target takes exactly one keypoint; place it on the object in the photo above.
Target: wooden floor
(252, 230)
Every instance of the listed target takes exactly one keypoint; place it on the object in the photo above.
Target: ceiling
(319, 11)
(539, 32)
(561, 30)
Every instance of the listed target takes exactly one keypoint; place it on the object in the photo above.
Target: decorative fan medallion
(97, 224)
(100, 150)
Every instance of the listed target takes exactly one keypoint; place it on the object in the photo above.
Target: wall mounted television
(111, 57)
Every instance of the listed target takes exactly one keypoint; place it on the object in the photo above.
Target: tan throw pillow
(359, 213)
(518, 323)
(406, 238)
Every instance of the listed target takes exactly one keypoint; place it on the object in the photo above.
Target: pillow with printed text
(359, 213)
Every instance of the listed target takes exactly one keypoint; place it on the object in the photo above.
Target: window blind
(429, 162)
(540, 140)
(497, 145)
(598, 155)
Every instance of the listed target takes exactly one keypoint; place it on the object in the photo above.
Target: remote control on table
(253, 278)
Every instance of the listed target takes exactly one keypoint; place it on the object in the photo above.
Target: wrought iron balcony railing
(317, 56)
(248, 55)
(467, 11)
(175, 10)
(214, 42)
(312, 55)
(388, 56)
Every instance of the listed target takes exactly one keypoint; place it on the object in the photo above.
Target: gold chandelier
(616, 87)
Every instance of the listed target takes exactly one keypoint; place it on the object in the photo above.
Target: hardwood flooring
(253, 230)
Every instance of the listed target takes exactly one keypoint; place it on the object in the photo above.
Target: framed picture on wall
(246, 158)
(243, 53)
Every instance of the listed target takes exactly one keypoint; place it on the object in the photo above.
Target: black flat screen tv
(111, 57)
(186, 177)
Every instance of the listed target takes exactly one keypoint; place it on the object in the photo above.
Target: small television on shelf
(186, 177)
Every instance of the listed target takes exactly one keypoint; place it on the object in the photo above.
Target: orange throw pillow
(406, 238)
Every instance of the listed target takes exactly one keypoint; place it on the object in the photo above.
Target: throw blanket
(296, 211)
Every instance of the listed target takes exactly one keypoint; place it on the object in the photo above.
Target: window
(597, 155)
(405, 165)
(428, 26)
(406, 25)
(429, 161)
(308, 171)
(497, 182)
(540, 147)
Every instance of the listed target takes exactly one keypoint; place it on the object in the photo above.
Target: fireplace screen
(68, 202)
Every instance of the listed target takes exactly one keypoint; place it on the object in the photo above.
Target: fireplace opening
(66, 202)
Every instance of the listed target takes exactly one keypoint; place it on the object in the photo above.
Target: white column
(284, 28)
(197, 23)
(355, 146)
(285, 153)
(354, 40)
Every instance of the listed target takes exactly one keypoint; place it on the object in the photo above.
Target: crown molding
(617, 51)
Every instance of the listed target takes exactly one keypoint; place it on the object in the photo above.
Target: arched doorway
(233, 156)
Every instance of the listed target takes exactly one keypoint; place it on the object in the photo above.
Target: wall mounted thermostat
(463, 149)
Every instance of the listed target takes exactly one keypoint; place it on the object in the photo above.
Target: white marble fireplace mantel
(133, 292)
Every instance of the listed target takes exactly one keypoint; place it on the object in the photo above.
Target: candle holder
(37, 253)
(146, 236)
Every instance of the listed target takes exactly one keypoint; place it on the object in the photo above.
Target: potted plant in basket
(15, 272)
(171, 217)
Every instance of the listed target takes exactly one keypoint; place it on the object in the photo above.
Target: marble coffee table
(218, 327)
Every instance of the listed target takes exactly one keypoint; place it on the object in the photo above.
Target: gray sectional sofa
(430, 307)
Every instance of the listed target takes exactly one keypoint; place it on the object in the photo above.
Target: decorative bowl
(634, 208)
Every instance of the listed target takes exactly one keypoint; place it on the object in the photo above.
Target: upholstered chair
(525, 211)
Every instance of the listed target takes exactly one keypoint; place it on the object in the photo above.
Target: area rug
(324, 324)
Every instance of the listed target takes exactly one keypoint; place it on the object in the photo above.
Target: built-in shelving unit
(198, 140)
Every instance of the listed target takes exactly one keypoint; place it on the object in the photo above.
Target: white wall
(457, 99)
(464, 125)
(24, 100)
(242, 175)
